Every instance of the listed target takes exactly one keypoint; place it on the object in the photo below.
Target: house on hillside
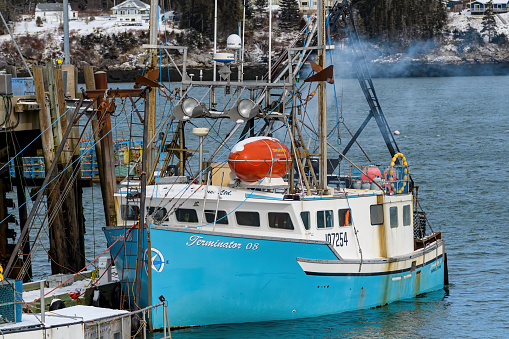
(457, 5)
(478, 7)
(52, 12)
(131, 12)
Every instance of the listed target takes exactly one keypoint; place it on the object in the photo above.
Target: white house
(479, 6)
(52, 12)
(131, 12)
(305, 5)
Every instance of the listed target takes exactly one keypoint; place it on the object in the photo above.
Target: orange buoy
(255, 158)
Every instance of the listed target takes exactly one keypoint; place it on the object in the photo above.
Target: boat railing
(123, 322)
(390, 179)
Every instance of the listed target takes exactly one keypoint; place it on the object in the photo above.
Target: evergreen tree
(199, 14)
(289, 15)
(261, 4)
(402, 21)
(489, 25)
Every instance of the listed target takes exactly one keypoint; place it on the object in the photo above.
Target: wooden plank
(108, 180)
(48, 144)
(89, 77)
(72, 80)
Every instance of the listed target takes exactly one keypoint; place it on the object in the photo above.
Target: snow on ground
(461, 22)
(82, 26)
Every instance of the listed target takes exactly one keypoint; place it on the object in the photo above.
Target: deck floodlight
(187, 109)
(245, 110)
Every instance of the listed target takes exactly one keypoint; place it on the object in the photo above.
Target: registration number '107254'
(338, 239)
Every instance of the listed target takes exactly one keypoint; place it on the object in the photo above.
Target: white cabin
(52, 12)
(131, 12)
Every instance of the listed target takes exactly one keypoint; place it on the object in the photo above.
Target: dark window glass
(324, 219)
(345, 217)
(221, 217)
(407, 220)
(186, 215)
(248, 218)
(393, 211)
(280, 220)
(130, 212)
(305, 219)
(158, 213)
(377, 214)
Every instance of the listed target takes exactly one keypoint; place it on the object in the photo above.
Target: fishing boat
(269, 228)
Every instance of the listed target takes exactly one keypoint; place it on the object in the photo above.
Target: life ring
(393, 175)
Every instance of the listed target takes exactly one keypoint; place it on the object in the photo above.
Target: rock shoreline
(377, 70)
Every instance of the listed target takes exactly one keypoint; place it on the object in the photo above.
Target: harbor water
(454, 133)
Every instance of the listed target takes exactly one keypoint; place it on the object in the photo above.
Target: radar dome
(234, 42)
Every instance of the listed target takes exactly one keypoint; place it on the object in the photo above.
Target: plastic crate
(38, 160)
(37, 168)
(11, 295)
(27, 173)
(86, 173)
(27, 161)
(86, 166)
(38, 174)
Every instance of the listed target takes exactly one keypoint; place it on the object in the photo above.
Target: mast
(322, 102)
(151, 122)
(65, 11)
(147, 162)
(270, 41)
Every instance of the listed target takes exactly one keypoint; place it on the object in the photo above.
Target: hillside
(96, 40)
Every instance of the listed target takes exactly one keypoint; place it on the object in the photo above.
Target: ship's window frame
(307, 220)
(130, 212)
(324, 219)
(247, 215)
(407, 218)
(280, 220)
(222, 217)
(341, 217)
(376, 214)
(192, 214)
(393, 216)
(161, 214)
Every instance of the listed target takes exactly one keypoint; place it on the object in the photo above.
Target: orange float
(370, 172)
(255, 158)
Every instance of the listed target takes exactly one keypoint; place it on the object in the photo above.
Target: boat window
(280, 220)
(186, 215)
(407, 220)
(248, 218)
(377, 214)
(130, 212)
(221, 217)
(158, 213)
(345, 217)
(324, 219)
(305, 219)
(393, 212)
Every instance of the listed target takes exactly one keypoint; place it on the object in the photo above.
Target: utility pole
(67, 54)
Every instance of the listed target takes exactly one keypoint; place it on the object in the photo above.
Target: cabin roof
(132, 3)
(49, 7)
(486, 1)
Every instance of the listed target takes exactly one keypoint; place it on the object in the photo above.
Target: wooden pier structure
(41, 124)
